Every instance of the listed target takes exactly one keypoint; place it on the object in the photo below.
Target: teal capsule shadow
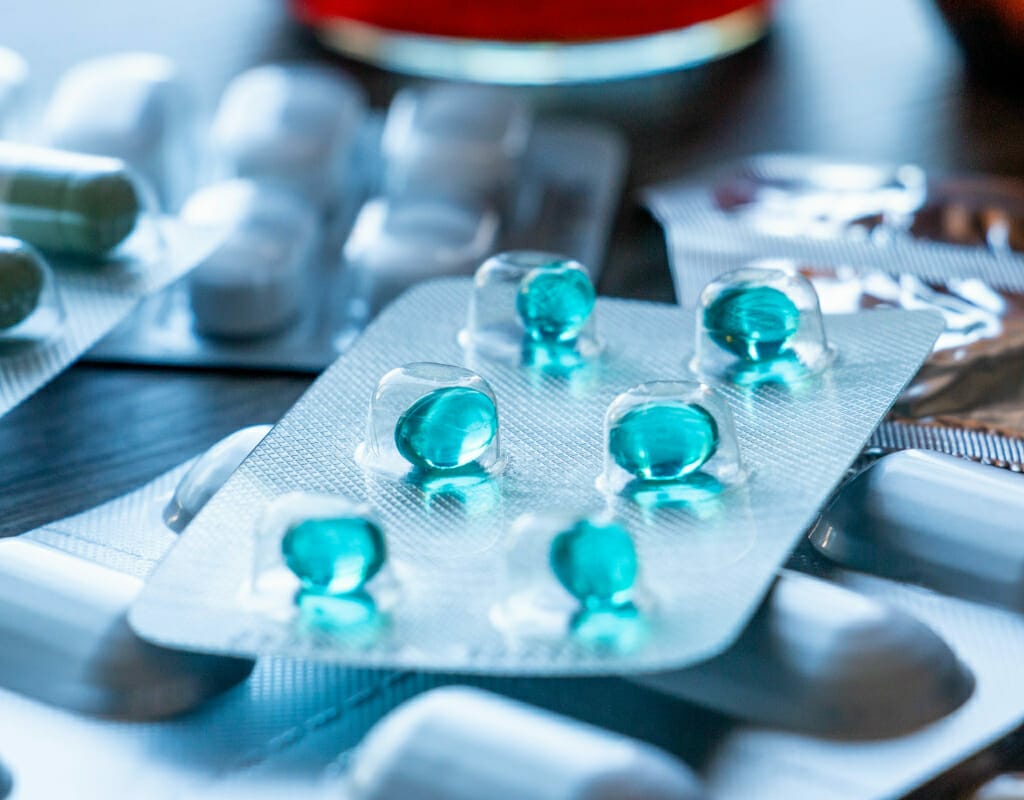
(471, 488)
(613, 629)
(784, 370)
(698, 491)
(353, 616)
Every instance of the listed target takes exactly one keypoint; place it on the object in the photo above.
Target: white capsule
(13, 82)
(1003, 787)
(821, 658)
(463, 143)
(396, 243)
(209, 472)
(290, 125)
(459, 743)
(255, 282)
(65, 640)
(131, 106)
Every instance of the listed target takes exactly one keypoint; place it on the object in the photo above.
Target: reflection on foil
(975, 376)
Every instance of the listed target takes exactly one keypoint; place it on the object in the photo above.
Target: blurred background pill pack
(331, 209)
(705, 558)
(872, 235)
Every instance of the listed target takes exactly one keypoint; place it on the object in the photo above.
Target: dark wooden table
(875, 79)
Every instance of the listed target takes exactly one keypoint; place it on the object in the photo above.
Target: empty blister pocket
(706, 561)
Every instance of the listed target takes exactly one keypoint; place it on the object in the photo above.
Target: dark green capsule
(447, 428)
(555, 300)
(663, 440)
(755, 323)
(66, 202)
(596, 563)
(22, 277)
(336, 555)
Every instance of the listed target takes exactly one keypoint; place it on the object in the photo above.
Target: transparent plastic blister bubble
(535, 307)
(705, 565)
(14, 76)
(288, 125)
(463, 143)
(760, 324)
(397, 243)
(89, 208)
(428, 188)
(257, 281)
(132, 106)
(31, 310)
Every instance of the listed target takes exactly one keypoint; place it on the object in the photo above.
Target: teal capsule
(596, 563)
(22, 277)
(756, 323)
(66, 202)
(335, 555)
(555, 301)
(661, 441)
(447, 428)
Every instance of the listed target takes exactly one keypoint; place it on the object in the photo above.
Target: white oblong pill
(65, 640)
(459, 743)
(209, 472)
(397, 243)
(255, 282)
(924, 517)
(291, 125)
(1003, 787)
(131, 106)
(463, 143)
(824, 659)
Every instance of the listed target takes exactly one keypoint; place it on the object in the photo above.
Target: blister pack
(473, 553)
(79, 247)
(868, 236)
(331, 209)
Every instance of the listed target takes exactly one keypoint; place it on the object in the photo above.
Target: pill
(928, 518)
(458, 743)
(209, 472)
(596, 563)
(755, 322)
(334, 554)
(1009, 786)
(130, 106)
(663, 440)
(447, 428)
(66, 202)
(397, 243)
(66, 641)
(827, 660)
(463, 143)
(254, 283)
(23, 274)
(554, 300)
(291, 125)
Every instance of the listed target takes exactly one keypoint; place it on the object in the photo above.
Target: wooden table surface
(877, 79)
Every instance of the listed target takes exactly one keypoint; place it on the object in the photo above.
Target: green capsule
(756, 323)
(661, 441)
(447, 428)
(22, 277)
(335, 555)
(596, 563)
(66, 202)
(555, 300)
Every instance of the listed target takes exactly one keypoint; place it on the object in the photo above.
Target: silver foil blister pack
(705, 565)
(93, 298)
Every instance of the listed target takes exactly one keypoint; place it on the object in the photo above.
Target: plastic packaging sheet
(706, 566)
(95, 298)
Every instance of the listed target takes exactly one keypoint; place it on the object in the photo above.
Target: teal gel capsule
(66, 202)
(22, 277)
(663, 441)
(755, 323)
(334, 555)
(554, 301)
(596, 563)
(447, 428)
